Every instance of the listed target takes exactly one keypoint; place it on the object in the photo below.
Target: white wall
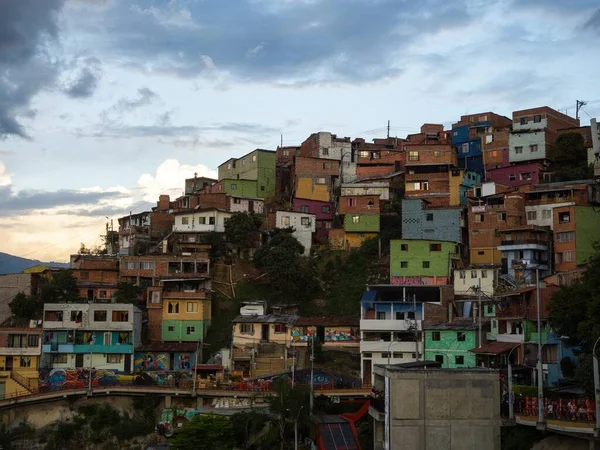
(88, 322)
(367, 189)
(525, 140)
(301, 232)
(531, 125)
(244, 205)
(99, 361)
(194, 221)
(462, 285)
(539, 216)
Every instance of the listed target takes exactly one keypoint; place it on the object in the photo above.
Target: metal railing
(582, 411)
(23, 381)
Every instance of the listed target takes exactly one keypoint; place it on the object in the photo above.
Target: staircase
(21, 380)
(269, 361)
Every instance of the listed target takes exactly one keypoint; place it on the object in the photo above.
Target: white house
(304, 226)
(201, 220)
(466, 281)
(249, 205)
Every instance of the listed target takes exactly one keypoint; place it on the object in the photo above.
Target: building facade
(421, 261)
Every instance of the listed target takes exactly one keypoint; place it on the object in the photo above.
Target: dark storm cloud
(339, 40)
(25, 201)
(87, 79)
(28, 29)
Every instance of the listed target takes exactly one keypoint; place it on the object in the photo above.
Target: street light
(296, 428)
(596, 389)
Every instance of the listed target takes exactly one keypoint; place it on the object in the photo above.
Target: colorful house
(449, 343)
(20, 349)
(257, 166)
(421, 261)
(360, 227)
(329, 331)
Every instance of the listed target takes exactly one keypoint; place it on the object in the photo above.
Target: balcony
(389, 325)
(55, 347)
(523, 244)
(134, 230)
(550, 200)
(389, 346)
(20, 351)
(377, 409)
(197, 294)
(513, 311)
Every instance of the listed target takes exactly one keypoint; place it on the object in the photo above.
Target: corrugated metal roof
(495, 348)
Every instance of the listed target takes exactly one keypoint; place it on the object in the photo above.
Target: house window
(25, 362)
(33, 340)
(171, 328)
(304, 209)
(439, 358)
(279, 328)
(325, 151)
(253, 158)
(525, 176)
(435, 336)
(61, 358)
(100, 316)
(243, 162)
(355, 219)
(246, 328)
(367, 355)
(410, 315)
(397, 355)
(350, 202)
(76, 316)
(120, 316)
(305, 221)
(190, 330)
(325, 209)
(489, 138)
(523, 121)
(363, 154)
(462, 274)
(558, 258)
(546, 214)
(84, 275)
(425, 264)
(320, 180)
(459, 359)
(533, 148)
(569, 256)
(537, 118)
(531, 215)
(473, 274)
(413, 155)
(565, 236)
(564, 217)
(107, 340)
(511, 177)
(435, 247)
(501, 216)
(461, 336)
(192, 307)
(173, 307)
(403, 247)
(437, 153)
(114, 359)
(229, 165)
(237, 201)
(518, 150)
(404, 264)
(429, 217)
(479, 218)
(155, 297)
(185, 220)
(481, 252)
(202, 220)
(233, 186)
(211, 220)
(380, 315)
(385, 355)
(327, 225)
(286, 153)
(326, 165)
(484, 274)
(102, 294)
(285, 221)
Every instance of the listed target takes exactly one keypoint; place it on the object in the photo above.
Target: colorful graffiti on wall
(341, 334)
(151, 361)
(78, 378)
(302, 334)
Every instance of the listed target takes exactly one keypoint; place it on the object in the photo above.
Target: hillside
(16, 264)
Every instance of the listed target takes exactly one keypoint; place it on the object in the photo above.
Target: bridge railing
(581, 410)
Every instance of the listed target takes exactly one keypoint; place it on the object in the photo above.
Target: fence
(573, 410)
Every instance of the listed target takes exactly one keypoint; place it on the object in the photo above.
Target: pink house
(517, 175)
(323, 211)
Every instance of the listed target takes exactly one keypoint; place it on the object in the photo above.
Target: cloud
(170, 178)
(86, 82)
(28, 39)
(594, 21)
(5, 177)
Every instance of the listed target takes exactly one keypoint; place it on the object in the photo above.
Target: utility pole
(539, 364)
(479, 312)
(92, 343)
(388, 129)
(312, 372)
(578, 105)
(596, 389)
(417, 325)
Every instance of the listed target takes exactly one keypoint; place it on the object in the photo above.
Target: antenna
(578, 105)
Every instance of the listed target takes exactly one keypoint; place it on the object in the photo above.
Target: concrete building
(257, 166)
(575, 232)
(323, 212)
(137, 231)
(534, 133)
(468, 280)
(526, 249)
(149, 270)
(381, 157)
(449, 343)
(423, 407)
(315, 178)
(392, 319)
(421, 261)
(419, 221)
(196, 184)
(304, 226)
(201, 221)
(517, 174)
(325, 145)
(360, 227)
(83, 335)
(230, 203)
(380, 189)
(20, 350)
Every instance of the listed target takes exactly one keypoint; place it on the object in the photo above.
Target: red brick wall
(432, 154)
(485, 234)
(360, 204)
(154, 325)
(435, 313)
(316, 166)
(374, 171)
(92, 263)
(556, 120)
(310, 147)
(97, 276)
(164, 202)
(161, 222)
(214, 200)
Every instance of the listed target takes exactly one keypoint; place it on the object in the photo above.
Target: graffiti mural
(78, 378)
(341, 334)
(303, 334)
(184, 361)
(151, 361)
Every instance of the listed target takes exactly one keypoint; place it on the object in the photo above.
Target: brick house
(138, 231)
(315, 178)
(323, 212)
(97, 276)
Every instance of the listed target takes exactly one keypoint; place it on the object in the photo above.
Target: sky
(105, 104)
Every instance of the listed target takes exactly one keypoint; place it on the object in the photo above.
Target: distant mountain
(16, 264)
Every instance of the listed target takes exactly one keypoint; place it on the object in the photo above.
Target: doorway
(9, 363)
(79, 360)
(265, 333)
(367, 372)
(90, 295)
(321, 334)
(127, 364)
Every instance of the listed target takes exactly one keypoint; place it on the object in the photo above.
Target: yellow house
(312, 189)
(185, 316)
(271, 328)
(20, 349)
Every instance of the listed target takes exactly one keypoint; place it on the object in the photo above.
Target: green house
(449, 343)
(361, 223)
(257, 166)
(421, 258)
(241, 188)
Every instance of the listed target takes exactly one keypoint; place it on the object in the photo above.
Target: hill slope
(16, 264)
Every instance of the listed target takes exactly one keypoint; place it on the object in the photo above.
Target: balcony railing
(512, 311)
(525, 242)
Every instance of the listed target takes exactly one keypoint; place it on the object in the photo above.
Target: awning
(495, 348)
(369, 296)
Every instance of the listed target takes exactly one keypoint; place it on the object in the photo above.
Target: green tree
(569, 158)
(128, 293)
(242, 228)
(574, 312)
(62, 288)
(23, 308)
(205, 432)
(289, 274)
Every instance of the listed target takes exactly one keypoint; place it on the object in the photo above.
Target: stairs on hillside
(270, 360)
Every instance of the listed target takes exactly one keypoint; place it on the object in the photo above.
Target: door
(90, 294)
(366, 372)
(265, 333)
(79, 360)
(251, 206)
(127, 364)
(321, 334)
(9, 363)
